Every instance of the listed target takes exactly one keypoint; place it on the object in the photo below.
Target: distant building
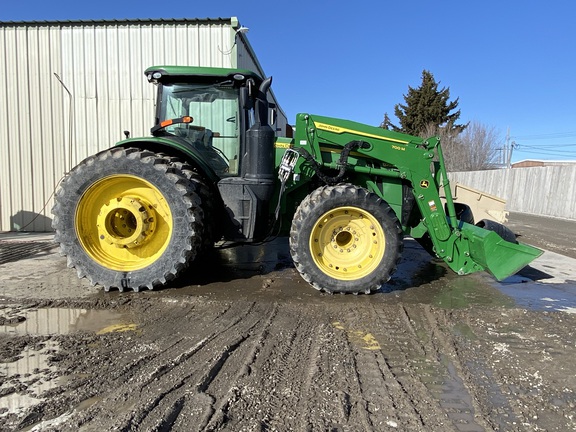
(529, 163)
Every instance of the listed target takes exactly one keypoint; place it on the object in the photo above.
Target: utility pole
(507, 149)
(511, 149)
(506, 156)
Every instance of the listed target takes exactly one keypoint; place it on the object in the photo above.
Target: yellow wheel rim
(347, 243)
(123, 222)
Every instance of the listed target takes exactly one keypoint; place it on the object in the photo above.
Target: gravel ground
(245, 345)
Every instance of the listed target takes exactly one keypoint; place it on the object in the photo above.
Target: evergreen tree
(426, 106)
(387, 123)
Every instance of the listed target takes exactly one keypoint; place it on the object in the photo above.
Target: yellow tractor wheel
(123, 222)
(345, 239)
(128, 219)
(347, 243)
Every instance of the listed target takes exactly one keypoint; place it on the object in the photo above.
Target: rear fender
(173, 148)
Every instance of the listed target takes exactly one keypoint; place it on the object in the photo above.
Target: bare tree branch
(472, 150)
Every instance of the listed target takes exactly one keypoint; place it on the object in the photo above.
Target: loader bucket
(499, 257)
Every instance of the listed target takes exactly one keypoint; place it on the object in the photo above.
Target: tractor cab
(219, 117)
(207, 110)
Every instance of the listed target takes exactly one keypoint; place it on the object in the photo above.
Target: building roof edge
(115, 21)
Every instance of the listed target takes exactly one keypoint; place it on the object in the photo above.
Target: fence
(546, 191)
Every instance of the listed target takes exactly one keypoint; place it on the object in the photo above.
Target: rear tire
(345, 239)
(208, 199)
(128, 219)
(503, 231)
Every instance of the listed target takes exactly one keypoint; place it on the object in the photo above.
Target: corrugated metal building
(70, 89)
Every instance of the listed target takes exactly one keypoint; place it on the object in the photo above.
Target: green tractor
(136, 215)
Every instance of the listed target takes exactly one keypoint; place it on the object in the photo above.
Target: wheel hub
(125, 222)
(347, 243)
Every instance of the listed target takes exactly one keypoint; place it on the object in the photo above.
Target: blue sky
(512, 64)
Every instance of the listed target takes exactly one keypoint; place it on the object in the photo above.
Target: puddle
(266, 272)
(456, 400)
(60, 321)
(24, 380)
(31, 372)
(548, 284)
(542, 297)
(233, 264)
(262, 259)
(444, 383)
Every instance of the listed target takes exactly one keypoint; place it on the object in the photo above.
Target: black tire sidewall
(503, 231)
(151, 169)
(329, 198)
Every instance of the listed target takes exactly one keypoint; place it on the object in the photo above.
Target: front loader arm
(385, 154)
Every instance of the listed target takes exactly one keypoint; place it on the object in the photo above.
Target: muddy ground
(243, 344)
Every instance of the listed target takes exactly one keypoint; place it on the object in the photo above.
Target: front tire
(128, 219)
(345, 239)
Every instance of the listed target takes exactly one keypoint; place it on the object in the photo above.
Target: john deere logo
(424, 184)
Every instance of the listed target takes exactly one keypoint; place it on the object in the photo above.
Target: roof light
(154, 77)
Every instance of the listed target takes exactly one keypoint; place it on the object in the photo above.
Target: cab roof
(197, 73)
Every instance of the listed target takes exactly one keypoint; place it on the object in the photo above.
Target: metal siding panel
(180, 44)
(52, 168)
(115, 82)
(158, 38)
(136, 125)
(91, 123)
(203, 42)
(193, 45)
(221, 46)
(21, 173)
(60, 104)
(67, 76)
(102, 78)
(144, 105)
(124, 80)
(170, 45)
(34, 167)
(7, 44)
(244, 56)
(80, 146)
(225, 36)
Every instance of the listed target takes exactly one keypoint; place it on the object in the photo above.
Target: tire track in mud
(457, 395)
(156, 388)
(220, 409)
(338, 365)
(275, 395)
(264, 367)
(412, 371)
(384, 390)
(205, 387)
(511, 361)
